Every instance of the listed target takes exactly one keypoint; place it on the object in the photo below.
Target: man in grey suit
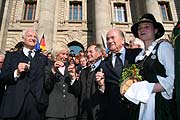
(23, 75)
(91, 100)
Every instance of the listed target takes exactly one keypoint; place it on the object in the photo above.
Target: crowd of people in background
(61, 85)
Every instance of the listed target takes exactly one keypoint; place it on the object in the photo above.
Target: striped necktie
(29, 55)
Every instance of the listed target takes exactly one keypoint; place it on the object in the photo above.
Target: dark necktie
(118, 64)
(29, 55)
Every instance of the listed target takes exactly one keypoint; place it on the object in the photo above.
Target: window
(75, 47)
(165, 11)
(75, 11)
(120, 12)
(29, 9)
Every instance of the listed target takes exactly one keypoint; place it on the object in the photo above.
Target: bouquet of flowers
(130, 75)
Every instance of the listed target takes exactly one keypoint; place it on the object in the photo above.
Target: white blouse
(165, 55)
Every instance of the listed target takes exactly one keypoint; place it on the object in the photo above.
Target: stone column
(153, 7)
(5, 23)
(46, 21)
(0, 5)
(102, 19)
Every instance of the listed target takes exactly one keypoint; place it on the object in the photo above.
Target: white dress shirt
(26, 52)
(122, 56)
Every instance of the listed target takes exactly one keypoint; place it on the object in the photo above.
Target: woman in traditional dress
(156, 91)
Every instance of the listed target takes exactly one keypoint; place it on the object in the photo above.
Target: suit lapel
(22, 57)
(126, 62)
(110, 66)
(36, 62)
(66, 73)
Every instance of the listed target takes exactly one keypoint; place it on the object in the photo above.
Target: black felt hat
(148, 18)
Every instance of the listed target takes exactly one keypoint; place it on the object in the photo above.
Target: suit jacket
(91, 101)
(62, 99)
(30, 81)
(2, 88)
(118, 107)
(177, 76)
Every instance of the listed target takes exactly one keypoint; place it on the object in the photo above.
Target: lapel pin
(153, 56)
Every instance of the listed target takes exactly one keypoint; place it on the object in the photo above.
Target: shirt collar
(147, 52)
(122, 51)
(95, 65)
(26, 50)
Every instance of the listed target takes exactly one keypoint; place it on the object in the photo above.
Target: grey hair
(121, 33)
(99, 48)
(24, 32)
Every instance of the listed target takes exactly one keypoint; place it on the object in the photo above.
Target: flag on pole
(37, 47)
(104, 40)
(43, 43)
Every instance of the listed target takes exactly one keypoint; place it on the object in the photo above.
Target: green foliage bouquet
(130, 75)
(131, 72)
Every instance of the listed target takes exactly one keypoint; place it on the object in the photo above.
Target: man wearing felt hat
(158, 72)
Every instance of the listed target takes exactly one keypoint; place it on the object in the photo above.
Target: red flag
(43, 43)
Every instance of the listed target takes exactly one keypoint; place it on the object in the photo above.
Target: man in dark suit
(62, 99)
(91, 99)
(2, 87)
(118, 107)
(23, 75)
(176, 36)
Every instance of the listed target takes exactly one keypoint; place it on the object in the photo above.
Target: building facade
(79, 22)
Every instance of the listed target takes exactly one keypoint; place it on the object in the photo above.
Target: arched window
(75, 47)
